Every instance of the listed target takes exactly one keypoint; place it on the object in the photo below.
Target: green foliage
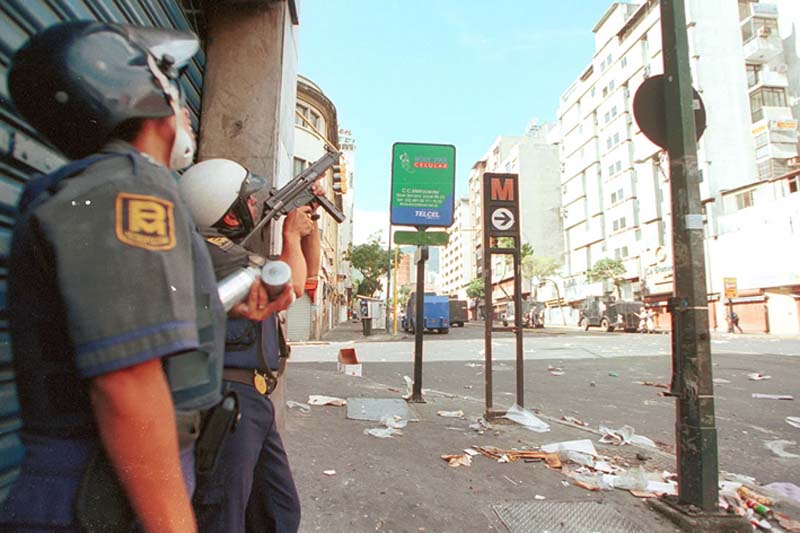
(525, 251)
(372, 260)
(607, 269)
(475, 289)
(539, 267)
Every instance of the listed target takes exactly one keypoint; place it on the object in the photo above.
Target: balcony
(770, 113)
(750, 9)
(761, 50)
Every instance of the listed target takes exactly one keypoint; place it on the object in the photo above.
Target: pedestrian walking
(734, 323)
(252, 488)
(115, 322)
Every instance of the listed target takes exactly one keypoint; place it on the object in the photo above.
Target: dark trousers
(252, 489)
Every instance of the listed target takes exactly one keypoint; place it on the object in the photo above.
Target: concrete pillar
(249, 98)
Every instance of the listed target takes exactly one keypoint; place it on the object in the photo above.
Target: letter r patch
(145, 221)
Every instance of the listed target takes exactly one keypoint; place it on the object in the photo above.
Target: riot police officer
(252, 488)
(115, 321)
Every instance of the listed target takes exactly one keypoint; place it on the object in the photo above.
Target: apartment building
(344, 283)
(457, 268)
(615, 190)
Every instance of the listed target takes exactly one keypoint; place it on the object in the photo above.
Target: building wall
(457, 268)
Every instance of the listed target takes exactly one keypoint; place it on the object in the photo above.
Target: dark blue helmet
(76, 82)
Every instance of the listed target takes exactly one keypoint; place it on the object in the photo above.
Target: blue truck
(436, 312)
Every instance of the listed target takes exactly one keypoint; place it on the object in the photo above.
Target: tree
(373, 261)
(607, 269)
(539, 267)
(476, 290)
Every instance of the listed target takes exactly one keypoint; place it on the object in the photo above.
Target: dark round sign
(649, 110)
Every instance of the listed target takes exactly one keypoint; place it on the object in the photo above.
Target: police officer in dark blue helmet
(115, 322)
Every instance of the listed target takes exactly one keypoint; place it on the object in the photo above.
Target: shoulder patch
(145, 221)
(221, 242)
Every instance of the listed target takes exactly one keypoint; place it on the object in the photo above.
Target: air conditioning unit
(783, 68)
(764, 32)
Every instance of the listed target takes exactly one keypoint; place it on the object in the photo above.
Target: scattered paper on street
(509, 456)
(522, 416)
(654, 384)
(624, 435)
(757, 376)
(317, 399)
(778, 447)
(329, 472)
(582, 446)
(451, 414)
(291, 404)
(720, 381)
(793, 421)
(773, 396)
(458, 460)
(573, 420)
(382, 433)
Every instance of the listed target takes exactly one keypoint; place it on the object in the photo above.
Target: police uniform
(252, 488)
(106, 272)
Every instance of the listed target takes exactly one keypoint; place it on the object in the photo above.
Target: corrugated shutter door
(23, 153)
(299, 319)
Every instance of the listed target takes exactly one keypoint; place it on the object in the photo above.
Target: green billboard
(423, 184)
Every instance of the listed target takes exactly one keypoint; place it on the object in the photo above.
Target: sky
(459, 72)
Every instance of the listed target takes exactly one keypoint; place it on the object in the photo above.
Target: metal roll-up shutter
(299, 319)
(23, 153)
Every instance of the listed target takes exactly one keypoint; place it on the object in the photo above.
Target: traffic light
(339, 177)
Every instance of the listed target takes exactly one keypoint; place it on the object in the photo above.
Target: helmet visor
(177, 46)
(251, 185)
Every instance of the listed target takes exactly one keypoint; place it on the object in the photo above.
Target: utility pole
(696, 433)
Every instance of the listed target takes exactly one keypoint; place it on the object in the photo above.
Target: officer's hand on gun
(299, 222)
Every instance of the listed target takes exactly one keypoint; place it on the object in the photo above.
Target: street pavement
(401, 484)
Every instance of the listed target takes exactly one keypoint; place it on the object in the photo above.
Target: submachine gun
(298, 193)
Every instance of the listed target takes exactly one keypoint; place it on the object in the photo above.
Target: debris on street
(720, 381)
(793, 421)
(539, 497)
(624, 435)
(451, 414)
(581, 446)
(317, 399)
(304, 408)
(458, 460)
(757, 376)
(773, 396)
(509, 456)
(329, 472)
(573, 420)
(787, 490)
(614, 374)
(778, 448)
(480, 425)
(393, 423)
(522, 416)
(555, 371)
(654, 384)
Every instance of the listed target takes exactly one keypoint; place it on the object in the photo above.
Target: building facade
(347, 145)
(457, 268)
(316, 125)
(615, 190)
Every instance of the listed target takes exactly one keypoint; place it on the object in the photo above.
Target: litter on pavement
(522, 416)
(329, 472)
(573, 420)
(778, 448)
(375, 409)
(291, 404)
(480, 425)
(509, 456)
(451, 414)
(382, 433)
(787, 490)
(793, 421)
(624, 435)
(581, 446)
(458, 460)
(317, 399)
(757, 376)
(555, 371)
(773, 396)
(654, 384)
(720, 381)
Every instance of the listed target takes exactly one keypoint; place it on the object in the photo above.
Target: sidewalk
(352, 331)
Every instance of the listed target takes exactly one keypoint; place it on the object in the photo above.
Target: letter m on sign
(502, 189)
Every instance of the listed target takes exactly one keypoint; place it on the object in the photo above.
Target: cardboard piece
(347, 363)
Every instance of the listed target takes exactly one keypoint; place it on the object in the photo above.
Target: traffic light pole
(695, 431)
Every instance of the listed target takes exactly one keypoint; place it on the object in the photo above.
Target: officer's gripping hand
(257, 305)
(298, 222)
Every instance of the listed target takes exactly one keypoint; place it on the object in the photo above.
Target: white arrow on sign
(502, 219)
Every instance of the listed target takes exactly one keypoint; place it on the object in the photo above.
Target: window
(302, 110)
(605, 92)
(621, 253)
(616, 138)
(618, 224)
(618, 166)
(614, 111)
(314, 120)
(611, 85)
(624, 62)
(762, 139)
(759, 27)
(607, 117)
(766, 97)
(744, 200)
(609, 142)
(793, 183)
(617, 196)
(611, 170)
(594, 90)
(752, 74)
(609, 60)
(298, 166)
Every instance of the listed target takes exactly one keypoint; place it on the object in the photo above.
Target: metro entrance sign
(423, 184)
(501, 205)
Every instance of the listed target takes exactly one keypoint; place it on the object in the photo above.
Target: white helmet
(213, 187)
